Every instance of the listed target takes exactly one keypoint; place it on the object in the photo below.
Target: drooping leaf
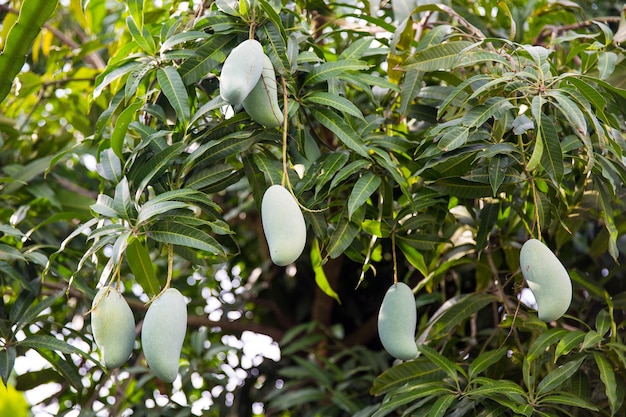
(344, 132)
(363, 189)
(174, 89)
(142, 267)
(183, 235)
(339, 103)
(329, 70)
(320, 276)
(607, 375)
(559, 376)
(32, 16)
(438, 57)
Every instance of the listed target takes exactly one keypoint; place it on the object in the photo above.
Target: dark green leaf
(363, 189)
(438, 57)
(484, 361)
(183, 235)
(559, 376)
(174, 89)
(543, 341)
(345, 133)
(141, 266)
(329, 70)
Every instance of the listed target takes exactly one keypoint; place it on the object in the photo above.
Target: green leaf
(607, 375)
(207, 57)
(122, 200)
(134, 79)
(110, 167)
(347, 171)
(183, 235)
(32, 16)
(209, 176)
(498, 166)
(345, 133)
(453, 313)
(363, 189)
(141, 266)
(484, 361)
(421, 241)
(337, 102)
(65, 367)
(443, 363)
(559, 376)
(406, 373)
(565, 398)
(411, 86)
(606, 64)
(428, 390)
(155, 166)
(33, 312)
(329, 70)
(7, 361)
(440, 407)
(543, 341)
(320, 276)
(141, 36)
(461, 188)
(603, 322)
(136, 7)
(342, 237)
(118, 136)
(178, 38)
(570, 341)
(174, 89)
(104, 206)
(442, 57)
(48, 342)
(495, 107)
(152, 209)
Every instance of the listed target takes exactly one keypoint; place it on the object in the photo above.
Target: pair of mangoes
(162, 334)
(248, 79)
(283, 225)
(546, 276)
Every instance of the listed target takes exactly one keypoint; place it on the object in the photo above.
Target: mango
(163, 333)
(241, 71)
(283, 225)
(547, 278)
(397, 321)
(262, 102)
(113, 326)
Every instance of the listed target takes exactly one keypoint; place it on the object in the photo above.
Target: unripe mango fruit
(262, 102)
(283, 225)
(241, 71)
(163, 333)
(547, 278)
(113, 326)
(397, 320)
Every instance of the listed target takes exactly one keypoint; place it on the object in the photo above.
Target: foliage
(425, 149)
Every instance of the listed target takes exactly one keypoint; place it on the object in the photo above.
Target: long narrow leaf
(363, 189)
(141, 266)
(33, 14)
(174, 89)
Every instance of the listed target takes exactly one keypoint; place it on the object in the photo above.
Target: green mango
(241, 71)
(283, 225)
(113, 326)
(163, 332)
(547, 278)
(397, 321)
(262, 102)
